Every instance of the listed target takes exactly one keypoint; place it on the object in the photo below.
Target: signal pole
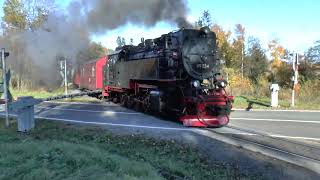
(5, 88)
(65, 78)
(295, 65)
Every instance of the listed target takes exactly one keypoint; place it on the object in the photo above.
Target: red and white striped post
(295, 65)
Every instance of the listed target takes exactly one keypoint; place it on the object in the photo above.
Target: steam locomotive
(175, 74)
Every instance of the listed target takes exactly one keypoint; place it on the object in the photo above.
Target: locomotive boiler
(176, 74)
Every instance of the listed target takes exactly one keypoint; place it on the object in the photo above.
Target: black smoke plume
(67, 32)
(110, 14)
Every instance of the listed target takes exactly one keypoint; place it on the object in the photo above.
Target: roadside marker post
(274, 95)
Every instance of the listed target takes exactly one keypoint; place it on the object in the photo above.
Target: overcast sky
(293, 22)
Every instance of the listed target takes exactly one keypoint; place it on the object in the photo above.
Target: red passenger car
(90, 75)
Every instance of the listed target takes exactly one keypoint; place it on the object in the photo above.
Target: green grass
(45, 94)
(244, 102)
(60, 151)
(37, 94)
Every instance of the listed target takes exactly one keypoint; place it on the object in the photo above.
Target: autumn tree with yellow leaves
(277, 52)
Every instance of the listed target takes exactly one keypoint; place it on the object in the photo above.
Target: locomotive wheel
(137, 106)
(115, 100)
(130, 103)
(124, 100)
(146, 105)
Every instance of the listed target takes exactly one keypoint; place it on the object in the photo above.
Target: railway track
(299, 154)
(317, 148)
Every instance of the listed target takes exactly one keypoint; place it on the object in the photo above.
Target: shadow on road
(256, 101)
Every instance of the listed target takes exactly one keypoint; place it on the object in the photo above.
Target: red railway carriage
(90, 75)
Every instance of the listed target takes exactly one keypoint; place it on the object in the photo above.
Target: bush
(240, 86)
(309, 92)
(262, 87)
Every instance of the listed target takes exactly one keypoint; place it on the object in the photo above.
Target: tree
(277, 52)
(20, 17)
(282, 75)
(14, 14)
(94, 51)
(204, 20)
(281, 71)
(225, 50)
(26, 15)
(311, 57)
(313, 53)
(256, 61)
(239, 48)
(121, 41)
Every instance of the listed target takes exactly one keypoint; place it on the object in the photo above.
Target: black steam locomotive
(177, 73)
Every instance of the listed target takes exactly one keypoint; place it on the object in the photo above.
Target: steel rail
(267, 150)
(273, 137)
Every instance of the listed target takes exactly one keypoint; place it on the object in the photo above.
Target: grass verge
(45, 94)
(61, 151)
(37, 94)
(247, 102)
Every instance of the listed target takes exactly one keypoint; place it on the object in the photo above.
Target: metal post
(65, 78)
(5, 90)
(292, 98)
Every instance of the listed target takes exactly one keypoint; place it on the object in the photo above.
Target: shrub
(309, 92)
(240, 86)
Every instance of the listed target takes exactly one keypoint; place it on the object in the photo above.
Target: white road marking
(163, 128)
(270, 135)
(295, 137)
(276, 120)
(91, 111)
(81, 103)
(113, 124)
(277, 110)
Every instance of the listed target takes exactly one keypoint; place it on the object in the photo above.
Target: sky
(293, 22)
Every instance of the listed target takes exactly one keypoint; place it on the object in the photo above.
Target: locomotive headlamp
(223, 84)
(196, 83)
(205, 29)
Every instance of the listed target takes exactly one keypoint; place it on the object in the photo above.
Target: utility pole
(5, 88)
(295, 64)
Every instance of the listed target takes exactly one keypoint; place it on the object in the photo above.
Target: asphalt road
(293, 125)
(287, 124)
(303, 126)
